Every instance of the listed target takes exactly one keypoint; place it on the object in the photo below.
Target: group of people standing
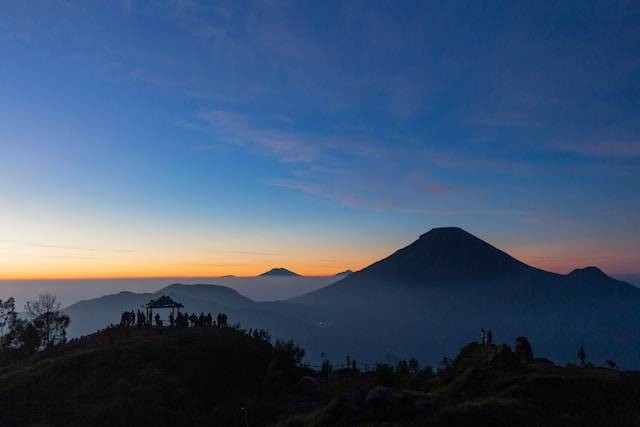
(131, 318)
(203, 321)
(181, 320)
(486, 337)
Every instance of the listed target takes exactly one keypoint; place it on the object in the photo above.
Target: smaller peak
(279, 271)
(342, 273)
(591, 271)
(174, 285)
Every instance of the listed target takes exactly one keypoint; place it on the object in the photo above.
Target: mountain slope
(90, 315)
(427, 299)
(445, 254)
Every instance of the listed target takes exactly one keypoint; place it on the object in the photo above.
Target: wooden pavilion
(164, 302)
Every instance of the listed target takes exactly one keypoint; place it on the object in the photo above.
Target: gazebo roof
(163, 302)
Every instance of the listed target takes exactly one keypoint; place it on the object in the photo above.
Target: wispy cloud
(65, 247)
(72, 257)
(412, 197)
(604, 149)
(237, 129)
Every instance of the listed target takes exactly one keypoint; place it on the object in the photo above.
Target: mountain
(444, 255)
(90, 315)
(424, 301)
(278, 271)
(429, 298)
(344, 273)
(270, 288)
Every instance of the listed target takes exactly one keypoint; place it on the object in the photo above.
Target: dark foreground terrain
(224, 377)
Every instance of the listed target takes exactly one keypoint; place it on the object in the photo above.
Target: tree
(262, 334)
(523, 350)
(407, 368)
(48, 320)
(291, 349)
(7, 315)
(8, 322)
(25, 338)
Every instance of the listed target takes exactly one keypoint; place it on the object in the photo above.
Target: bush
(384, 374)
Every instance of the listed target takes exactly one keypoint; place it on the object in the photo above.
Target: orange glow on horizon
(123, 269)
(40, 263)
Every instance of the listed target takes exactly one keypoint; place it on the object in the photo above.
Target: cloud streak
(66, 247)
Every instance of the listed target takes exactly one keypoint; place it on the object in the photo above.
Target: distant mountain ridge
(344, 273)
(90, 315)
(278, 271)
(426, 300)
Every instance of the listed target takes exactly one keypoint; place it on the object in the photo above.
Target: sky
(184, 138)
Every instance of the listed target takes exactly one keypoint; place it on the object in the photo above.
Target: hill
(278, 271)
(482, 386)
(127, 376)
(224, 376)
(90, 315)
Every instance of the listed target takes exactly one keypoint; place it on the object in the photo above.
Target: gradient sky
(181, 138)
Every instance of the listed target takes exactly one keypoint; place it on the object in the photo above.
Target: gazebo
(160, 303)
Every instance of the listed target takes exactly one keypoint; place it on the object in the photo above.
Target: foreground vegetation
(228, 377)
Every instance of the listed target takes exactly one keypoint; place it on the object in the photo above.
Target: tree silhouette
(49, 321)
(523, 350)
(7, 315)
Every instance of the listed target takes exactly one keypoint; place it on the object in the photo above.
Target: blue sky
(223, 137)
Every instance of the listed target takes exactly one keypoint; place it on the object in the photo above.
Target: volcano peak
(445, 254)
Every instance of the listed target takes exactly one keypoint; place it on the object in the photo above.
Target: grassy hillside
(224, 377)
(122, 376)
(483, 387)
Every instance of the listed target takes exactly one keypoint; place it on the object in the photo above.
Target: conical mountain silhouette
(441, 289)
(445, 254)
(279, 271)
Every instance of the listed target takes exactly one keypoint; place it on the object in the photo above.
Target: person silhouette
(582, 355)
